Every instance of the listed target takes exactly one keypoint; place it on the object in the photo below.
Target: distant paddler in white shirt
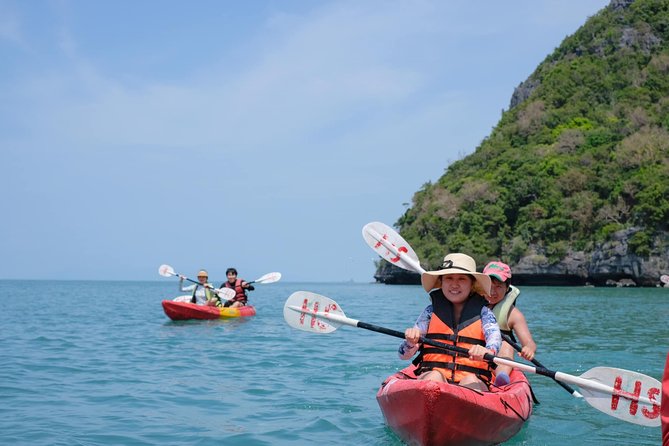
(202, 292)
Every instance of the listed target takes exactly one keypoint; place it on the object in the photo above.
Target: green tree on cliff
(582, 152)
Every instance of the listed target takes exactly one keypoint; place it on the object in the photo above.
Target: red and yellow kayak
(431, 413)
(179, 311)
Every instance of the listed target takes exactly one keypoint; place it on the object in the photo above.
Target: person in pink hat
(458, 315)
(511, 320)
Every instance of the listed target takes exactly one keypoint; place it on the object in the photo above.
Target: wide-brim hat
(457, 263)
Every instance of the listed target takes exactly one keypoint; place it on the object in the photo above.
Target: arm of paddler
(519, 326)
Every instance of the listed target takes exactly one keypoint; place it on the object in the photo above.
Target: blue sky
(261, 135)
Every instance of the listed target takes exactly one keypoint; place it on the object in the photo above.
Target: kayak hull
(180, 311)
(428, 413)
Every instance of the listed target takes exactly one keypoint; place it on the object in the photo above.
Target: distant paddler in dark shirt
(240, 287)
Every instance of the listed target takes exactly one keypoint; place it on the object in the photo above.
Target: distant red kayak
(431, 413)
(179, 311)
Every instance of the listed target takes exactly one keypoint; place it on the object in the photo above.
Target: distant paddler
(202, 293)
(240, 286)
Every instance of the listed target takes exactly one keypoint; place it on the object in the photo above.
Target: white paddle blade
(225, 293)
(387, 243)
(634, 397)
(269, 278)
(664, 278)
(166, 271)
(309, 312)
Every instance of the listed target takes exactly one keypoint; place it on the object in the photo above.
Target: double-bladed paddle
(391, 246)
(623, 394)
(223, 293)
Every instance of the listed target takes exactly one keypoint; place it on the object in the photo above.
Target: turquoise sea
(98, 363)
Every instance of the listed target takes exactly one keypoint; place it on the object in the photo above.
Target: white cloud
(336, 63)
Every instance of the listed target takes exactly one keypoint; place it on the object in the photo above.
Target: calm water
(98, 363)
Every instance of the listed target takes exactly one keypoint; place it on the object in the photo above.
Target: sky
(261, 135)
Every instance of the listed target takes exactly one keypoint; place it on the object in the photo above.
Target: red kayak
(664, 405)
(431, 413)
(179, 311)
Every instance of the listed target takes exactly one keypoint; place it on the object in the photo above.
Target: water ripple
(76, 374)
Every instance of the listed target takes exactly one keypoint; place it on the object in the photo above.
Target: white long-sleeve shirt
(200, 295)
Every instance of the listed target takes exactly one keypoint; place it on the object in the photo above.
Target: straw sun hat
(457, 263)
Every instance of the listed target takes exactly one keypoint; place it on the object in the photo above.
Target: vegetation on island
(582, 153)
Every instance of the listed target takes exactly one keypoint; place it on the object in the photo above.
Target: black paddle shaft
(518, 348)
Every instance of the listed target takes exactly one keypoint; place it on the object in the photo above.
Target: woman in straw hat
(457, 316)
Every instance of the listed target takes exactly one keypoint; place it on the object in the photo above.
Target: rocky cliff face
(392, 275)
(611, 264)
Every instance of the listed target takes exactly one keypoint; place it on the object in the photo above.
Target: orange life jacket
(455, 366)
(240, 293)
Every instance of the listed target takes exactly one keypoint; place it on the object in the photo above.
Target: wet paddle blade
(635, 397)
(310, 312)
(166, 271)
(387, 243)
(268, 278)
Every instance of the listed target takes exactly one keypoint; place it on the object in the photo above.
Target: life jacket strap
(456, 339)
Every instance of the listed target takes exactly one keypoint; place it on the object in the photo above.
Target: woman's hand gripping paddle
(623, 394)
